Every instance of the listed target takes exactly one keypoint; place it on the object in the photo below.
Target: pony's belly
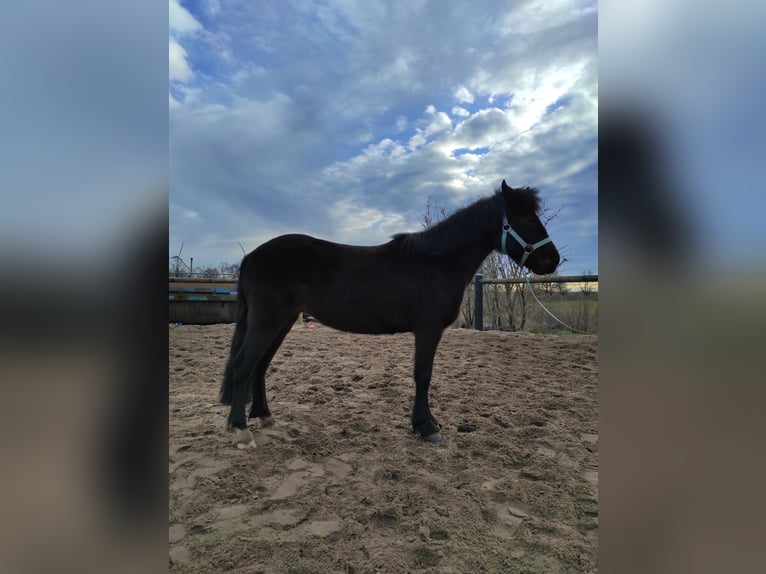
(363, 323)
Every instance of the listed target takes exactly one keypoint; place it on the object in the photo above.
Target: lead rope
(528, 249)
(526, 278)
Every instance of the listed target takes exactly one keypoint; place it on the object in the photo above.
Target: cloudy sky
(340, 119)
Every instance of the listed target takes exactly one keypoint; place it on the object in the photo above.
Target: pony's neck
(482, 228)
(470, 258)
(464, 239)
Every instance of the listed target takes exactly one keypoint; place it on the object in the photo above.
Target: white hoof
(243, 438)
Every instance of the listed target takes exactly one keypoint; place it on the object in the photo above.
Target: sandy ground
(340, 483)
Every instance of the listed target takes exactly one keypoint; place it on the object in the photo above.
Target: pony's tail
(227, 386)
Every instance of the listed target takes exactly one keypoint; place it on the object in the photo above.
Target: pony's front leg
(423, 421)
(260, 407)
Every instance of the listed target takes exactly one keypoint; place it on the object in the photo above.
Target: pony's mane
(526, 200)
(451, 234)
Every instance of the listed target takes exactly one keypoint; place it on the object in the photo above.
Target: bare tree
(207, 272)
(434, 214)
(228, 269)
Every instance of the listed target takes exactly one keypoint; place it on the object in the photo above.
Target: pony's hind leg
(227, 386)
(258, 338)
(260, 406)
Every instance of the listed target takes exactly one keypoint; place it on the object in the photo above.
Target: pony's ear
(506, 191)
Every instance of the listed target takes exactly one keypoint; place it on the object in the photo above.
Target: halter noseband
(527, 247)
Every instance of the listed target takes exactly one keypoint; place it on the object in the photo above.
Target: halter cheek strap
(527, 247)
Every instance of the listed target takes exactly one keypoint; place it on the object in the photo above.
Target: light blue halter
(527, 247)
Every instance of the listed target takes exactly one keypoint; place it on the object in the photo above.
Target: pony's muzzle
(543, 263)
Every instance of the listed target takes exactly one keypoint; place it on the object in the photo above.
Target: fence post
(478, 303)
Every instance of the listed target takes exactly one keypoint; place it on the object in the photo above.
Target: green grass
(563, 307)
(570, 312)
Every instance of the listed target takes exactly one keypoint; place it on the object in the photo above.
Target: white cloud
(537, 91)
(401, 71)
(364, 137)
(189, 215)
(247, 72)
(483, 129)
(417, 140)
(531, 18)
(463, 94)
(181, 21)
(354, 222)
(182, 25)
(180, 71)
(327, 122)
(440, 122)
(212, 7)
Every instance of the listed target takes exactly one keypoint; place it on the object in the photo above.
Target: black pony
(413, 283)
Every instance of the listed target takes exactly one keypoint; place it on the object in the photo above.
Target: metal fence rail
(190, 296)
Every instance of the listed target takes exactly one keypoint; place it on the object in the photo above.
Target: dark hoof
(435, 438)
(267, 421)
